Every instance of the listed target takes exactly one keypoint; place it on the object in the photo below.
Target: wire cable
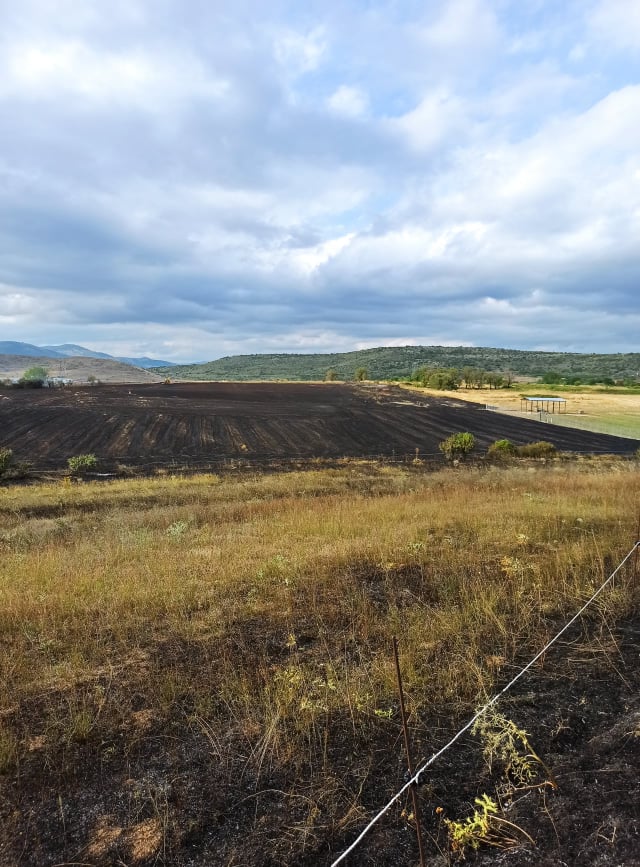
(415, 779)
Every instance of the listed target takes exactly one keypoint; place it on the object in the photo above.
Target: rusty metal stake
(635, 555)
(407, 746)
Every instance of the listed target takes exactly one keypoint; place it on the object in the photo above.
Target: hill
(391, 362)
(73, 350)
(76, 369)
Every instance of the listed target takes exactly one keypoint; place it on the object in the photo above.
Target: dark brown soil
(143, 424)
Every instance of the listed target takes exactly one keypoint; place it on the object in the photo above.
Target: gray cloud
(194, 179)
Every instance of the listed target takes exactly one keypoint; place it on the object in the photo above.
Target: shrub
(541, 449)
(6, 459)
(501, 450)
(458, 445)
(34, 377)
(81, 463)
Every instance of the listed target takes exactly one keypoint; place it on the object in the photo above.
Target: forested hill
(390, 362)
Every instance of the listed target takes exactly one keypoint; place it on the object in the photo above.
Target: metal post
(407, 746)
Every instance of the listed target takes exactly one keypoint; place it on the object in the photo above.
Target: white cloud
(349, 101)
(438, 118)
(300, 52)
(615, 24)
(57, 70)
(464, 29)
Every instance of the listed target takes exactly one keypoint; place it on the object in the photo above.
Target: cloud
(207, 179)
(350, 101)
(615, 25)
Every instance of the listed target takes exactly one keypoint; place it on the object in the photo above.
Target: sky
(189, 179)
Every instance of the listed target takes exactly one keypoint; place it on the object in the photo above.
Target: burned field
(199, 422)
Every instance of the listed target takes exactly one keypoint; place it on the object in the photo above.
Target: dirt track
(140, 424)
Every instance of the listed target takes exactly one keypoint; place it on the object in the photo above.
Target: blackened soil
(142, 424)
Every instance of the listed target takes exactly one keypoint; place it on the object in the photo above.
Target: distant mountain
(146, 363)
(15, 347)
(395, 362)
(73, 350)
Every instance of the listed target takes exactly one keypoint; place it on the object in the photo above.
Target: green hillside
(390, 362)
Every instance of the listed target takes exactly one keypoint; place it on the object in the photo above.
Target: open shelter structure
(543, 404)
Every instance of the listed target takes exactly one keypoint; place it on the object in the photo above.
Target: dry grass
(262, 607)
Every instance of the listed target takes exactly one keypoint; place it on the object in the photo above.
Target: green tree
(331, 375)
(469, 376)
(457, 446)
(34, 377)
(361, 374)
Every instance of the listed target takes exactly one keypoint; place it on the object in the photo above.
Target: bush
(34, 377)
(81, 463)
(6, 460)
(457, 446)
(501, 450)
(541, 449)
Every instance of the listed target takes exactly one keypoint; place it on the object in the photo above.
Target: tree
(457, 446)
(469, 376)
(331, 375)
(361, 374)
(34, 377)
(437, 377)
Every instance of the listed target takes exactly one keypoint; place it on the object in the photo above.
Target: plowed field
(141, 424)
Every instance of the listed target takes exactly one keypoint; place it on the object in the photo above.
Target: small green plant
(82, 463)
(457, 446)
(501, 450)
(486, 826)
(177, 529)
(6, 460)
(505, 742)
(540, 449)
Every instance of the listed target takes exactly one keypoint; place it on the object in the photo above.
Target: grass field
(172, 646)
(611, 411)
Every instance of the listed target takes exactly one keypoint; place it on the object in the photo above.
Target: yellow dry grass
(591, 402)
(93, 575)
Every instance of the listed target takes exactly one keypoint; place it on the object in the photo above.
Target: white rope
(415, 779)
